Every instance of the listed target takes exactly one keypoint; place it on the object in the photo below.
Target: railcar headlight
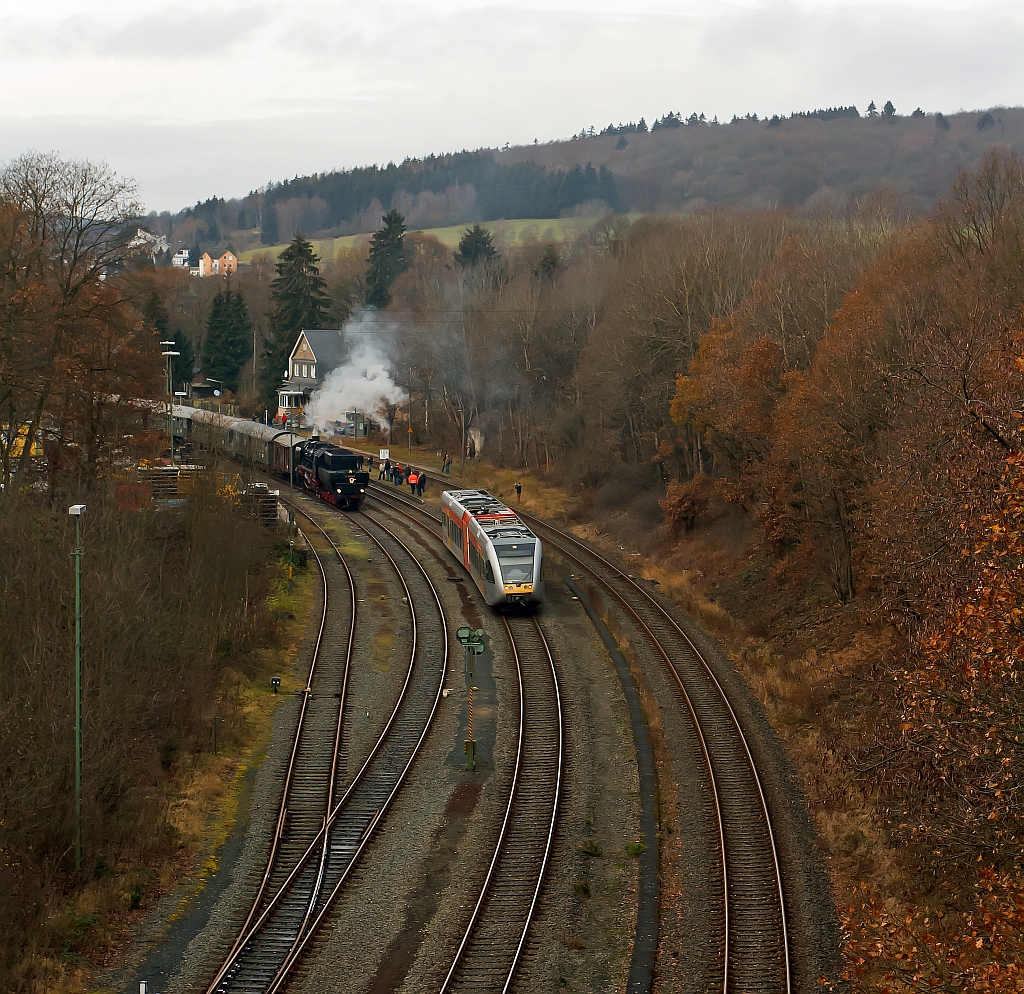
(339, 490)
(362, 490)
(351, 479)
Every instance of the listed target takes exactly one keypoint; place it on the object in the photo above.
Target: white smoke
(364, 380)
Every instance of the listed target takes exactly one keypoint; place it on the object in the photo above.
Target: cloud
(205, 98)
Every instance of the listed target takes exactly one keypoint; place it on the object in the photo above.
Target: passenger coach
(502, 555)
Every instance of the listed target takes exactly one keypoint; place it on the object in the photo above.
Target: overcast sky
(197, 98)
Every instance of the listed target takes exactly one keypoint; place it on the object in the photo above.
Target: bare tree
(68, 229)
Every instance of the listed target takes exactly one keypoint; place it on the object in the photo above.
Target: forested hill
(682, 164)
(677, 166)
(440, 189)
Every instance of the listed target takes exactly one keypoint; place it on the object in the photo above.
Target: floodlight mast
(168, 355)
(76, 511)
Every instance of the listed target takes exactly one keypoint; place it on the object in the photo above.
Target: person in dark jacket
(385, 470)
(421, 482)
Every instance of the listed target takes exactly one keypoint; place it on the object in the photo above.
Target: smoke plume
(364, 380)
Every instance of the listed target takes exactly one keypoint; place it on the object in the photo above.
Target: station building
(315, 355)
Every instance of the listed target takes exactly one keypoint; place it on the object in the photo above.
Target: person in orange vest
(413, 480)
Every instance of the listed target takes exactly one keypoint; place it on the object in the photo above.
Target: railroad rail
(496, 934)
(492, 944)
(312, 768)
(274, 939)
(755, 947)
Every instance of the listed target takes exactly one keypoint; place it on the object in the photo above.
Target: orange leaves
(903, 951)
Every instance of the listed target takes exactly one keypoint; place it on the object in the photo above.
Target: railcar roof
(253, 428)
(495, 519)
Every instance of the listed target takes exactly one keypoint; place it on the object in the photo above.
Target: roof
(268, 433)
(328, 346)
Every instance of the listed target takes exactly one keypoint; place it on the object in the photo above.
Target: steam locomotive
(502, 555)
(334, 474)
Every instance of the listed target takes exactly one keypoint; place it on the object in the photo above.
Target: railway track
(755, 953)
(316, 751)
(298, 898)
(496, 934)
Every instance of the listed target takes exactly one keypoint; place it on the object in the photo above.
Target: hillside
(505, 234)
(678, 167)
(792, 162)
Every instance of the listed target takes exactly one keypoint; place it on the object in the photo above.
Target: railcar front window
(516, 562)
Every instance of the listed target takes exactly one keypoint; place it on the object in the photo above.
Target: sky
(201, 98)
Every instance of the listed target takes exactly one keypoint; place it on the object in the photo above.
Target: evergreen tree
(889, 110)
(182, 365)
(228, 343)
(475, 246)
(387, 259)
(547, 265)
(872, 109)
(300, 299)
(154, 313)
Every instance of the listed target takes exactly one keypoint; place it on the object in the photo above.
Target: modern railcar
(502, 555)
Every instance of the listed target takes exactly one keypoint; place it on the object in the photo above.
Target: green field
(506, 235)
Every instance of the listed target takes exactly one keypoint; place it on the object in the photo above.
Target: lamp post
(168, 355)
(76, 511)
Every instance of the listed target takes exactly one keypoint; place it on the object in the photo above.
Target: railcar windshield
(516, 561)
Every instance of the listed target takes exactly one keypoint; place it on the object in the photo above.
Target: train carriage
(266, 446)
(502, 555)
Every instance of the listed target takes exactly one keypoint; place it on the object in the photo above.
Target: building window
(296, 369)
(312, 372)
(305, 370)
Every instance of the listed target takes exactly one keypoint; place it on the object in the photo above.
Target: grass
(202, 808)
(506, 234)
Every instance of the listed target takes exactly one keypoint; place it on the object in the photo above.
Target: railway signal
(473, 643)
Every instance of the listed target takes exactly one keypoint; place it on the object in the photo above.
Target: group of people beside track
(399, 474)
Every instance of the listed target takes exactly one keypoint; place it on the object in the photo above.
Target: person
(444, 459)
(448, 465)
(399, 474)
(369, 464)
(472, 448)
(413, 480)
(421, 482)
(385, 470)
(519, 492)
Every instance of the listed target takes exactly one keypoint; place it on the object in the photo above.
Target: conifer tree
(387, 259)
(299, 294)
(475, 246)
(183, 364)
(228, 343)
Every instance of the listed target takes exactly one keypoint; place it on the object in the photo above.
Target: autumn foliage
(864, 403)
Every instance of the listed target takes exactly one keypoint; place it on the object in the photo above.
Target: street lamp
(170, 400)
(76, 511)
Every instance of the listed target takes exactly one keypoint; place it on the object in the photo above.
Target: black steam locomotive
(334, 474)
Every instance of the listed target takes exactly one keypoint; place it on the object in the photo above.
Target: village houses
(226, 264)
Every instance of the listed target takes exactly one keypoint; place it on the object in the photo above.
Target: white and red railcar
(502, 555)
